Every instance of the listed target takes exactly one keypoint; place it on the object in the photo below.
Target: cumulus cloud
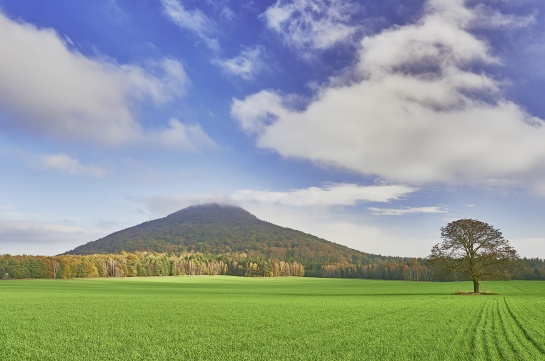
(258, 111)
(64, 163)
(192, 20)
(245, 65)
(332, 195)
(48, 89)
(405, 211)
(418, 109)
(311, 24)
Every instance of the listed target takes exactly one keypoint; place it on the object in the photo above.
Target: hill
(219, 229)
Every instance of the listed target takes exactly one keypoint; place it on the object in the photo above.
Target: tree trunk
(475, 285)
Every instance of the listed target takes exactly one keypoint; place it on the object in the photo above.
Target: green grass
(230, 318)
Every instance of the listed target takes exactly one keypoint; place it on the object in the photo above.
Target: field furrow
(525, 325)
(219, 318)
(479, 344)
(516, 340)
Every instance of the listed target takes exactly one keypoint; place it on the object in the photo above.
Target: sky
(368, 123)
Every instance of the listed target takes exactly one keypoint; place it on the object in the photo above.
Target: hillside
(218, 229)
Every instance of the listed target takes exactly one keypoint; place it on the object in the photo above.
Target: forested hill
(220, 229)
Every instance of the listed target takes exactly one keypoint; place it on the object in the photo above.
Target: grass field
(230, 318)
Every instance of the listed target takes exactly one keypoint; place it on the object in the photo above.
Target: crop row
(196, 318)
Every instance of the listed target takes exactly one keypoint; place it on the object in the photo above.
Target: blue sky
(368, 123)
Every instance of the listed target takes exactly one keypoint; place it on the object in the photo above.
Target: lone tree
(474, 249)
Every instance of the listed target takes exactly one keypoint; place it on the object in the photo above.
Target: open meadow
(234, 318)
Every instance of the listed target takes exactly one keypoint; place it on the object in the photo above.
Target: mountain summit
(217, 229)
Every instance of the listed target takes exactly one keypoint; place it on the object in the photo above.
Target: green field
(231, 318)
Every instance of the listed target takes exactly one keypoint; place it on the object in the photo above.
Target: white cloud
(161, 206)
(44, 87)
(227, 14)
(245, 65)
(64, 163)
(194, 21)
(42, 238)
(311, 24)
(332, 195)
(405, 211)
(35, 232)
(181, 136)
(488, 17)
(257, 111)
(48, 89)
(161, 82)
(60, 162)
(417, 111)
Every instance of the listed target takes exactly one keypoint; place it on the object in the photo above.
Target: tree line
(419, 269)
(142, 264)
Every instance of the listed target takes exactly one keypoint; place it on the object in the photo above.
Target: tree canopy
(474, 249)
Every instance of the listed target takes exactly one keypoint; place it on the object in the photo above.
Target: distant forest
(142, 264)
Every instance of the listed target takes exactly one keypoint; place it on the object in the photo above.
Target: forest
(143, 264)
(217, 229)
